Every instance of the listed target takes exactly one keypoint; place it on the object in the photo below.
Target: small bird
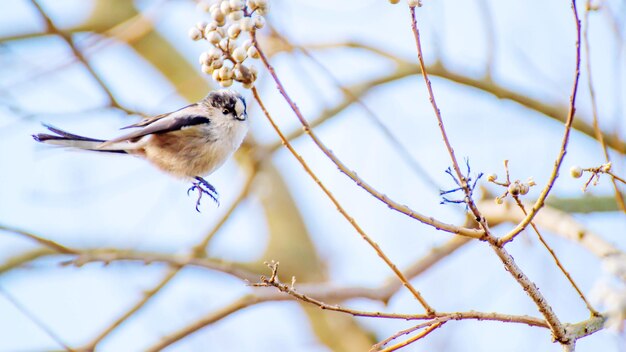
(187, 143)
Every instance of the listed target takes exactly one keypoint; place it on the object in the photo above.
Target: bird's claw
(203, 187)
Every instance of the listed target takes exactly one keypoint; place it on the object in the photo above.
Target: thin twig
(557, 261)
(32, 317)
(379, 345)
(400, 149)
(148, 295)
(290, 290)
(351, 174)
(107, 256)
(43, 241)
(21, 259)
(553, 110)
(421, 335)
(196, 252)
(52, 29)
(252, 299)
(490, 35)
(557, 222)
(562, 151)
(341, 210)
(619, 198)
(615, 177)
(435, 255)
(463, 182)
(529, 287)
(221, 313)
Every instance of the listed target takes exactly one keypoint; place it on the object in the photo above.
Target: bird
(188, 143)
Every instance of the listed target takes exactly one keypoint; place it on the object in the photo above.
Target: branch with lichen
(556, 222)
(517, 189)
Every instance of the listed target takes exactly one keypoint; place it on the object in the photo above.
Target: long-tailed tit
(188, 143)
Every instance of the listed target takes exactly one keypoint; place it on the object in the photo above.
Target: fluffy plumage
(190, 142)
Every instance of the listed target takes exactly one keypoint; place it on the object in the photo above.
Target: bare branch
(341, 210)
(351, 174)
(43, 241)
(594, 105)
(52, 29)
(563, 150)
(32, 317)
(419, 336)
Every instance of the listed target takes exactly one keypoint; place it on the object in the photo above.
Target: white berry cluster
(516, 188)
(229, 20)
(412, 3)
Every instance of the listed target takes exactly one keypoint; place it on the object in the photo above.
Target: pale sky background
(86, 200)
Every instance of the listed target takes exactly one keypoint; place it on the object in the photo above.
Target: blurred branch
(490, 35)
(424, 263)
(52, 29)
(400, 150)
(357, 90)
(136, 27)
(584, 204)
(619, 198)
(404, 69)
(211, 318)
(195, 252)
(120, 20)
(25, 257)
(32, 317)
(148, 295)
(43, 241)
(320, 291)
(199, 250)
(107, 256)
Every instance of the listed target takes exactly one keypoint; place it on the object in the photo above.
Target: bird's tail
(66, 139)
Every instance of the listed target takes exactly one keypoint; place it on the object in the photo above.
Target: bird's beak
(242, 117)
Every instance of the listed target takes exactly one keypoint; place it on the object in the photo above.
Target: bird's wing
(151, 119)
(177, 120)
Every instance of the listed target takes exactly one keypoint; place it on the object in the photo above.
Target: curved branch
(555, 111)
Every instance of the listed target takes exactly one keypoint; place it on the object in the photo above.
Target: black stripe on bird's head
(229, 102)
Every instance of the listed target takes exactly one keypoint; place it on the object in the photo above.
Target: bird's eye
(225, 112)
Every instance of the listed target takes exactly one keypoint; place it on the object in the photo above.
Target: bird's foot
(203, 187)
